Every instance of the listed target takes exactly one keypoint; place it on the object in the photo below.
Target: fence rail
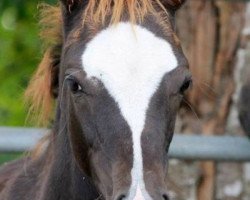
(187, 147)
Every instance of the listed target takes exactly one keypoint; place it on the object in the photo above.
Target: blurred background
(20, 52)
(215, 35)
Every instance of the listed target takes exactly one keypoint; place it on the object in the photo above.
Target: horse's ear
(173, 4)
(71, 5)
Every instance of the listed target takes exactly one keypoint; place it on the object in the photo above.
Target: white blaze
(130, 62)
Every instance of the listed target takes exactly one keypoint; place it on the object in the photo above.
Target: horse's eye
(74, 86)
(186, 85)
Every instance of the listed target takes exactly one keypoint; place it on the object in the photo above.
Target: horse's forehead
(127, 51)
(131, 62)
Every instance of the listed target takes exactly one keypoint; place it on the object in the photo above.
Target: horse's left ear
(173, 4)
(71, 5)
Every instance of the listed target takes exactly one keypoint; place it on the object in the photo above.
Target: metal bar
(187, 147)
(217, 148)
(19, 139)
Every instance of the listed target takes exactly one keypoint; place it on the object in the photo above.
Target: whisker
(63, 86)
(61, 101)
(206, 85)
(208, 95)
(98, 198)
(192, 109)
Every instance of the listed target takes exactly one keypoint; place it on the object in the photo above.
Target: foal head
(122, 78)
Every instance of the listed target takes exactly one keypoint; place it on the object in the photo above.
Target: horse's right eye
(186, 85)
(74, 86)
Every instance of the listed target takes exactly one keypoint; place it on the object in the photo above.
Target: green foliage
(20, 52)
(6, 157)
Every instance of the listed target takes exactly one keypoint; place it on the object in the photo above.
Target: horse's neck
(65, 179)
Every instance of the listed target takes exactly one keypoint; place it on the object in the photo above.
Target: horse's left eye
(74, 86)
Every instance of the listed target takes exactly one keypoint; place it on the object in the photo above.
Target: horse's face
(123, 86)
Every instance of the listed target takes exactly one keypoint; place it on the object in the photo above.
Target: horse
(113, 76)
(243, 107)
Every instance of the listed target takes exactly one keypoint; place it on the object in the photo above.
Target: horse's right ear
(173, 4)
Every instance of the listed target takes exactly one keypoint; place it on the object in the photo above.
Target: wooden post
(210, 31)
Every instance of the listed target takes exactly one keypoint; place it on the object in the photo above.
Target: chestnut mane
(40, 93)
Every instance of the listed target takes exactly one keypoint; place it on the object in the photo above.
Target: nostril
(121, 197)
(165, 197)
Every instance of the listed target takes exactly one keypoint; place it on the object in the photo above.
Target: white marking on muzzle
(131, 63)
(138, 195)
